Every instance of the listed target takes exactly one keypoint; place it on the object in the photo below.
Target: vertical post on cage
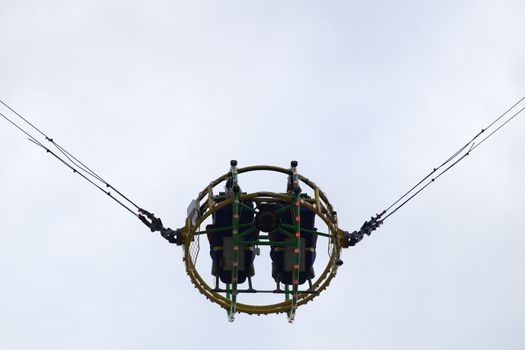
(294, 182)
(235, 231)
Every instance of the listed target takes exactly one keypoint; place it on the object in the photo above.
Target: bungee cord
(72, 162)
(421, 185)
(472, 145)
(71, 158)
(83, 176)
(297, 239)
(78, 167)
(460, 150)
(155, 224)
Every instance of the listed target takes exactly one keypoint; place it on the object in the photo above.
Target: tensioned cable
(81, 166)
(499, 127)
(84, 177)
(81, 169)
(411, 194)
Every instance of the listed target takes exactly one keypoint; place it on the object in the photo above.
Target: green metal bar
(276, 244)
(283, 209)
(297, 256)
(235, 231)
(226, 228)
(247, 232)
(214, 230)
(235, 263)
(228, 291)
(247, 207)
(286, 233)
(305, 230)
(317, 233)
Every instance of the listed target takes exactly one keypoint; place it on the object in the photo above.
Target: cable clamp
(155, 224)
(351, 239)
(172, 236)
(149, 219)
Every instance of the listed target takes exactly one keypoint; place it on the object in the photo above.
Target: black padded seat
(221, 244)
(283, 257)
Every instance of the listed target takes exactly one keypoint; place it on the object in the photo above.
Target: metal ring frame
(319, 205)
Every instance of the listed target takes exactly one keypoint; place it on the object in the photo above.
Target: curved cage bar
(208, 207)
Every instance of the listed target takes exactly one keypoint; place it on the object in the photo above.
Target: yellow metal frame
(319, 205)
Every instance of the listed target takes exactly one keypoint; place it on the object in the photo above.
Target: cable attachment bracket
(293, 179)
(232, 184)
(351, 239)
(155, 224)
(149, 219)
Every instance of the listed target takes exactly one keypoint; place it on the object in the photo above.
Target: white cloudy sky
(158, 96)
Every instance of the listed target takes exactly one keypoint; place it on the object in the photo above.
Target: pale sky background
(158, 96)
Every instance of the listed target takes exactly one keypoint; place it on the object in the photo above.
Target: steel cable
(71, 161)
(411, 194)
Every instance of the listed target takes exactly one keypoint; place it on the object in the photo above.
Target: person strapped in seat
(220, 237)
(283, 256)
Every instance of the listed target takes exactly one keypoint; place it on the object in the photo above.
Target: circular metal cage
(207, 204)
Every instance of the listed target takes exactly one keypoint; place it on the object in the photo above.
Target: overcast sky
(158, 96)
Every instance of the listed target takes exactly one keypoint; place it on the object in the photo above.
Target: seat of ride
(283, 257)
(221, 242)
